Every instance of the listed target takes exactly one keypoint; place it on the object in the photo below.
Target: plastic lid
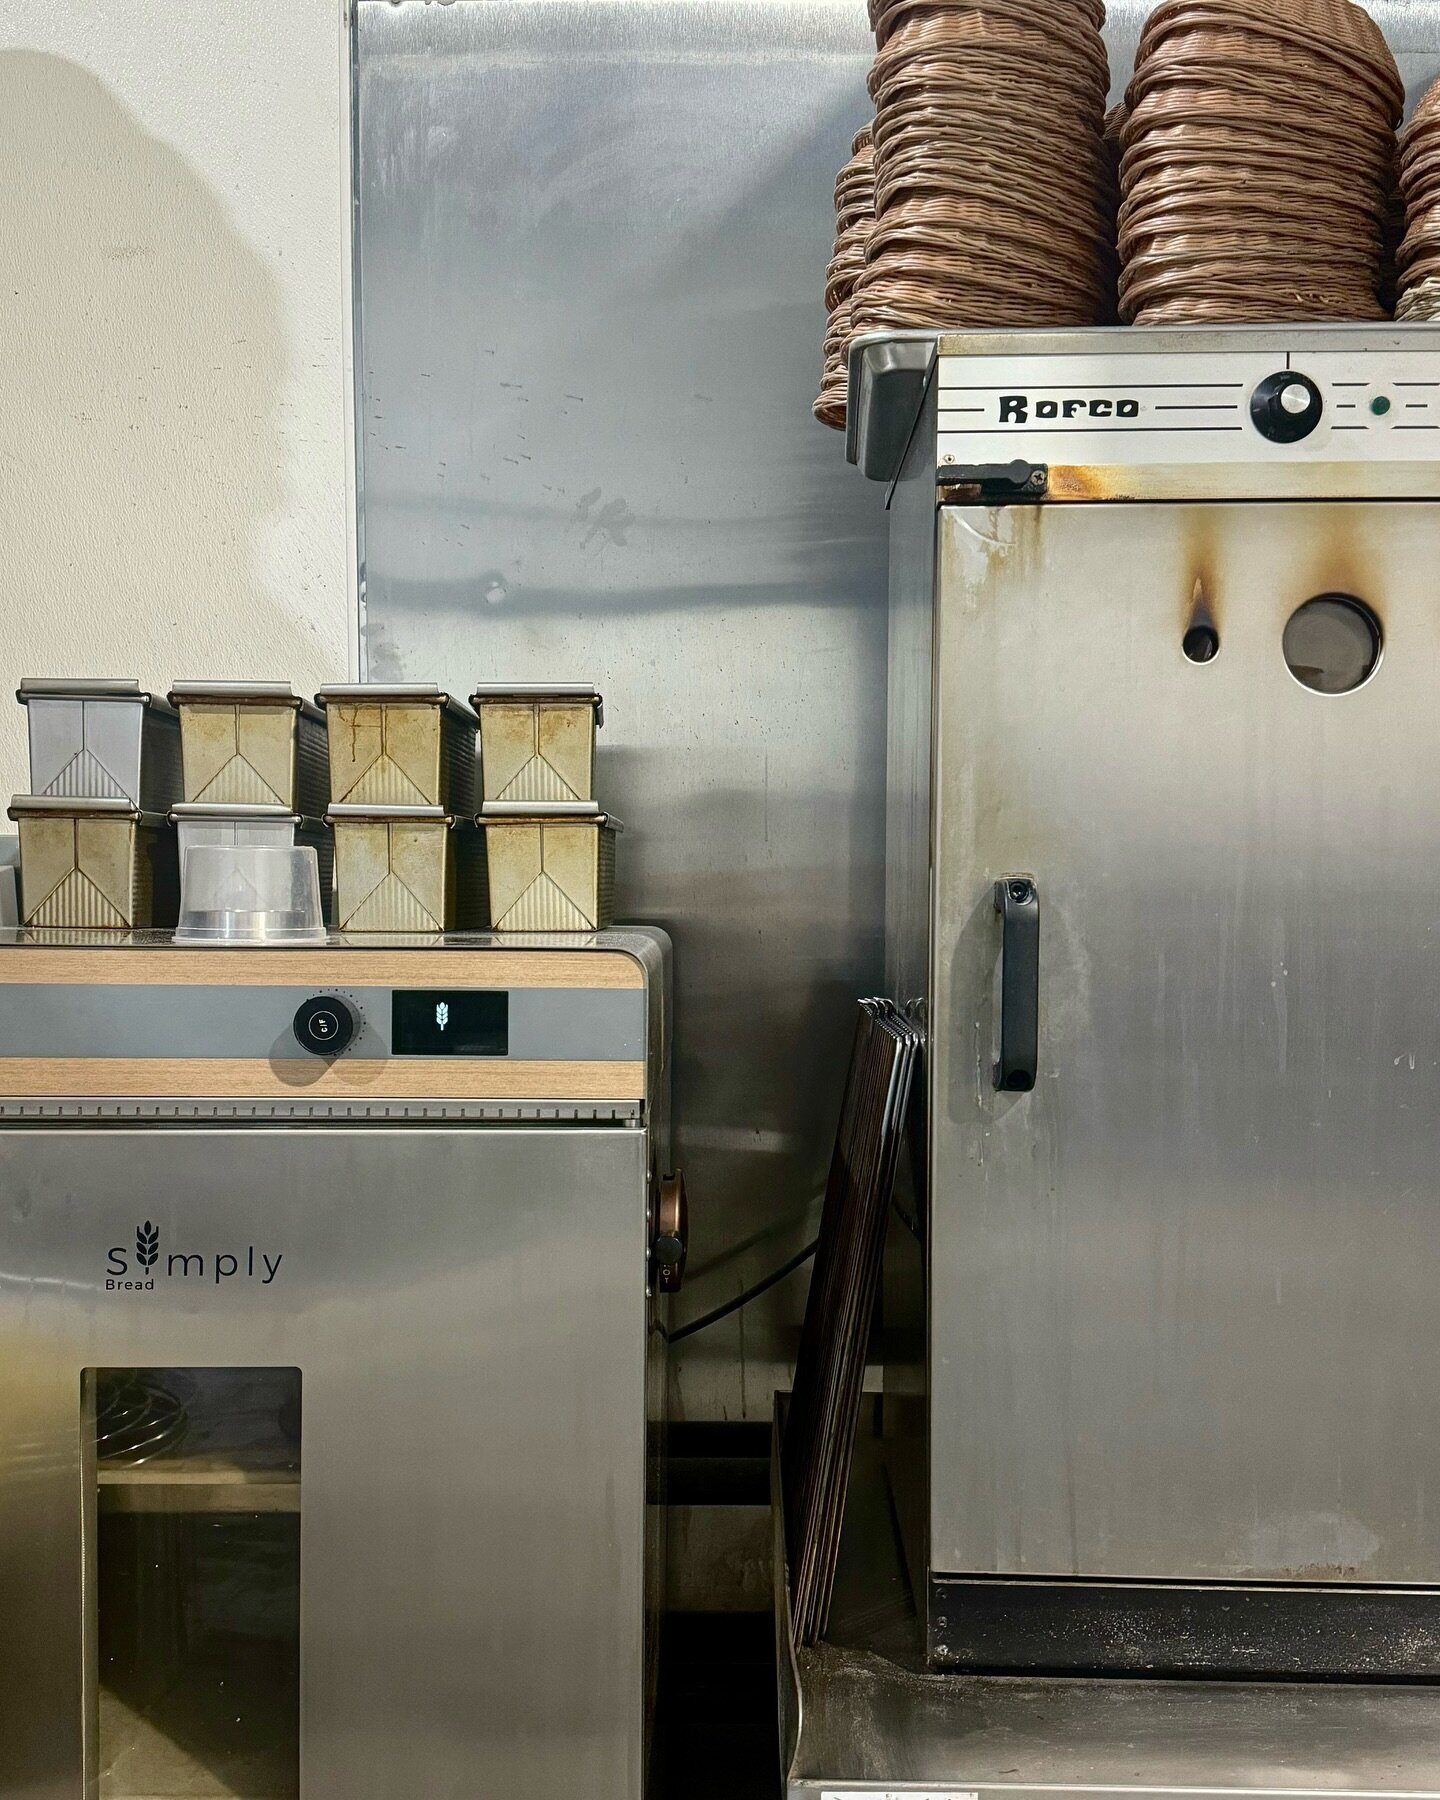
(250, 894)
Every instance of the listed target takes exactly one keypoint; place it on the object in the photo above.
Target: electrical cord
(751, 1293)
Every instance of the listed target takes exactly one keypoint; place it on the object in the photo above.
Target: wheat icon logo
(147, 1244)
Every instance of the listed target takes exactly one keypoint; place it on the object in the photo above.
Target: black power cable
(762, 1286)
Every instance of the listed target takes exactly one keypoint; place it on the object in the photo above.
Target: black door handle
(1017, 900)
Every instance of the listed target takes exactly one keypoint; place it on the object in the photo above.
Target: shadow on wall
(140, 453)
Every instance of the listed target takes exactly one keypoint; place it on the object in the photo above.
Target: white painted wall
(174, 444)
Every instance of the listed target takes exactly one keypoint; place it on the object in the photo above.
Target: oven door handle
(1017, 900)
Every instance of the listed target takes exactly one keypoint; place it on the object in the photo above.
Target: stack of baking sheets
(830, 1368)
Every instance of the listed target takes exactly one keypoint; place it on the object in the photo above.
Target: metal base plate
(861, 1716)
(1268, 1630)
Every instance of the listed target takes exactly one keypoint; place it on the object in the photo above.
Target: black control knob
(325, 1025)
(1286, 407)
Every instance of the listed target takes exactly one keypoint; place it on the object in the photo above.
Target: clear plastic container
(250, 894)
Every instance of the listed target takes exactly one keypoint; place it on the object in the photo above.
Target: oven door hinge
(1002, 482)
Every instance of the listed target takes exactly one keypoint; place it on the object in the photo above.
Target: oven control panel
(329, 1025)
(198, 1021)
(1268, 400)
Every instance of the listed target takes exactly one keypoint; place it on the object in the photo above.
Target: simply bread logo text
(136, 1267)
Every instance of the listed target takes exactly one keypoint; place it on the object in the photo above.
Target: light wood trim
(355, 1077)
(122, 967)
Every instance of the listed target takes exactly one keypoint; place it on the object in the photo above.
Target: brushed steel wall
(591, 242)
(589, 249)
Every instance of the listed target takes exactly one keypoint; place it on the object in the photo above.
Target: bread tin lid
(536, 693)
(45, 687)
(345, 812)
(395, 693)
(241, 693)
(66, 806)
(195, 812)
(546, 812)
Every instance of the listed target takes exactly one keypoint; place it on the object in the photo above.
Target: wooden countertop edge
(392, 1078)
(487, 968)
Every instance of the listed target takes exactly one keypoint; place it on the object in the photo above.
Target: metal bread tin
(404, 745)
(550, 867)
(252, 743)
(406, 868)
(199, 822)
(101, 740)
(98, 864)
(537, 740)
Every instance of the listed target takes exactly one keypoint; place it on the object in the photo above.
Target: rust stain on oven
(1076, 481)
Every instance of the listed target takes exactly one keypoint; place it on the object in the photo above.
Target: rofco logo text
(136, 1267)
(1022, 409)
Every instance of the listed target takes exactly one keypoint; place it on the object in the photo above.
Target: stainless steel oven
(328, 1371)
(1165, 649)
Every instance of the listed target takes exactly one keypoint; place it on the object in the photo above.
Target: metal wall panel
(591, 246)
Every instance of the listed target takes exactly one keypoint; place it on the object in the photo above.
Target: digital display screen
(450, 1022)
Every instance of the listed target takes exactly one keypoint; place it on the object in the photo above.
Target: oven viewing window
(194, 1581)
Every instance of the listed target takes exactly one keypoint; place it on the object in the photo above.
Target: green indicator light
(1380, 405)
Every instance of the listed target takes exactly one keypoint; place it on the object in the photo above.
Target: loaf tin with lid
(252, 743)
(551, 867)
(409, 744)
(95, 864)
(537, 740)
(101, 740)
(406, 868)
(201, 823)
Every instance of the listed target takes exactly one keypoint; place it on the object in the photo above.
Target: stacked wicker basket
(1258, 163)
(1249, 177)
(854, 221)
(992, 186)
(1419, 257)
